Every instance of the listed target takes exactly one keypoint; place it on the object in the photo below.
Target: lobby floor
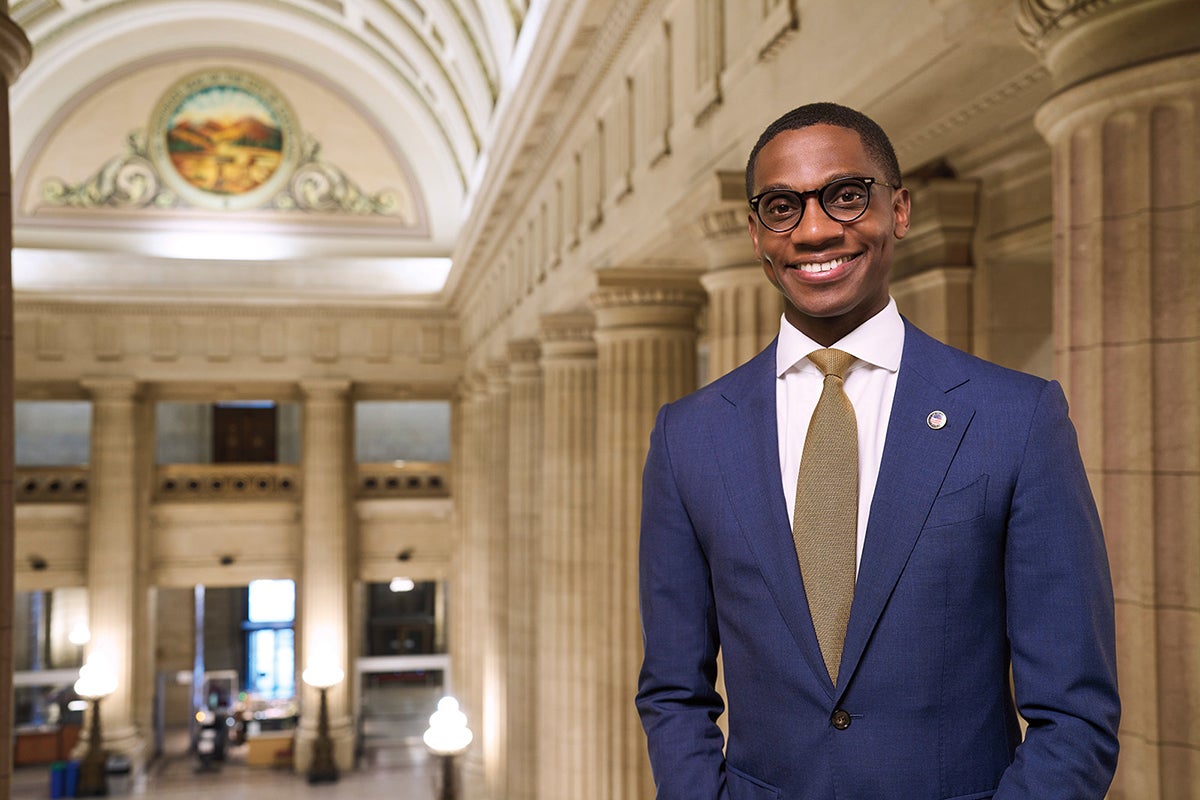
(400, 773)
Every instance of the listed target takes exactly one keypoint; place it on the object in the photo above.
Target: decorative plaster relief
(225, 140)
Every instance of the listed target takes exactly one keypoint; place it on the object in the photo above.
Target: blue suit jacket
(983, 553)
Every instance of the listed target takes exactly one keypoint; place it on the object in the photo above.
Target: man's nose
(816, 227)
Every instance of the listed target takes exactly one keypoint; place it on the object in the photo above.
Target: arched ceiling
(429, 74)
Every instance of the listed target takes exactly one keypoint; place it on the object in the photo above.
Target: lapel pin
(936, 420)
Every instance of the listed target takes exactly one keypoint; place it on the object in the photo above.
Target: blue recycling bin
(71, 789)
(58, 780)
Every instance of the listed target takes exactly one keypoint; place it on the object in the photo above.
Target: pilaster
(646, 339)
(1126, 171)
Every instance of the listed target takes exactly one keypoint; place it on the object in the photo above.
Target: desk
(269, 749)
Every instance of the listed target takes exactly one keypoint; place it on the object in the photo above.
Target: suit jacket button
(840, 719)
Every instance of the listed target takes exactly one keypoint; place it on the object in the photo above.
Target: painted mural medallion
(224, 139)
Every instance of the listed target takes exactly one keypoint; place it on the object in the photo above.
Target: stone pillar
(743, 307)
(116, 591)
(1123, 126)
(324, 591)
(15, 52)
(495, 453)
(469, 589)
(571, 634)
(933, 274)
(646, 338)
(524, 514)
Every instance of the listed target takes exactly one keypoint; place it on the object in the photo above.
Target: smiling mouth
(823, 266)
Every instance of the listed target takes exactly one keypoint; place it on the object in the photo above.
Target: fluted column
(15, 52)
(116, 589)
(324, 591)
(495, 661)
(524, 513)
(1126, 166)
(469, 587)
(571, 636)
(743, 307)
(646, 338)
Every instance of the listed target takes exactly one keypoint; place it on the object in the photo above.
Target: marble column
(1122, 126)
(646, 340)
(933, 274)
(743, 307)
(524, 514)
(116, 587)
(469, 586)
(495, 438)
(15, 52)
(571, 638)
(323, 633)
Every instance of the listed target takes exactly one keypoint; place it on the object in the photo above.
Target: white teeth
(824, 266)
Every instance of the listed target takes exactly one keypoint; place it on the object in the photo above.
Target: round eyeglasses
(843, 200)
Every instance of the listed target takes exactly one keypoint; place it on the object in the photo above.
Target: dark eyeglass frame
(802, 200)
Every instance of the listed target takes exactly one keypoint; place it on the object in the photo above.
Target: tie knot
(832, 362)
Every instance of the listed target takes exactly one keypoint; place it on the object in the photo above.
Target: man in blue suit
(978, 584)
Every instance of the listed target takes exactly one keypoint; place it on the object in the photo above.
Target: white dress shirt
(870, 384)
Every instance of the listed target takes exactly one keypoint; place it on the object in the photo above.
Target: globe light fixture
(447, 737)
(323, 677)
(97, 680)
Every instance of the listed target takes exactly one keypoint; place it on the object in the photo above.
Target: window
(271, 639)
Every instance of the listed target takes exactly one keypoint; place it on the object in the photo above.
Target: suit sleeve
(676, 697)
(1060, 620)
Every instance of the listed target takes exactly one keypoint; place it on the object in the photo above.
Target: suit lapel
(916, 458)
(747, 447)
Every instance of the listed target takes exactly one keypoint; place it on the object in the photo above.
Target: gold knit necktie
(825, 525)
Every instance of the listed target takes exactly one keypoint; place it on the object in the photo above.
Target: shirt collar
(879, 341)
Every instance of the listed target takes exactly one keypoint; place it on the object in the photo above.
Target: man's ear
(754, 235)
(901, 210)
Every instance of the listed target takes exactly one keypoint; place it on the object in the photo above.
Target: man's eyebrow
(775, 187)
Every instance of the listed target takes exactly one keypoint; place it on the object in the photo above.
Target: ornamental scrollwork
(132, 181)
(1038, 19)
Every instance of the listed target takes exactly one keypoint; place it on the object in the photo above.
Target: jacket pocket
(743, 787)
(976, 796)
(958, 506)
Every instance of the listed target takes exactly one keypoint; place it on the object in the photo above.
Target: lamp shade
(322, 676)
(97, 678)
(448, 733)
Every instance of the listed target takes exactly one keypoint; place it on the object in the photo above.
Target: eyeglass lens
(844, 200)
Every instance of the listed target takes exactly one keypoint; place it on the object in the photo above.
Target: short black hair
(876, 142)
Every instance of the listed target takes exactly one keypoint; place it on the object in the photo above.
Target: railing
(51, 484)
(190, 482)
(225, 482)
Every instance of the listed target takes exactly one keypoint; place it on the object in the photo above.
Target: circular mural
(224, 139)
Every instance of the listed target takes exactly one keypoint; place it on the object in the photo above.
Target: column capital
(324, 388)
(15, 49)
(722, 226)
(1082, 39)
(645, 286)
(496, 375)
(568, 336)
(523, 355)
(942, 234)
(112, 388)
